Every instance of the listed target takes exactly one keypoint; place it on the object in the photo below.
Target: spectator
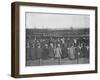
(88, 51)
(51, 51)
(58, 53)
(77, 51)
(39, 53)
(33, 52)
(45, 54)
(64, 52)
(72, 52)
(28, 56)
(83, 51)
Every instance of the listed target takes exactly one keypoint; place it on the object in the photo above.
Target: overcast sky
(56, 21)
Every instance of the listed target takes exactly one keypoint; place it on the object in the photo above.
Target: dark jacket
(64, 52)
(51, 52)
(39, 52)
(45, 53)
(84, 52)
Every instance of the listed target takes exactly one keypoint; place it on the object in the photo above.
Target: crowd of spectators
(57, 48)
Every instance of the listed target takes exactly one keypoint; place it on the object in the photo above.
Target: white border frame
(56, 68)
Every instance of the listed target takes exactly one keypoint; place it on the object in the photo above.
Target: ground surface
(57, 62)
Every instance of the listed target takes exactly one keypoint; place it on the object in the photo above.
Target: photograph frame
(15, 39)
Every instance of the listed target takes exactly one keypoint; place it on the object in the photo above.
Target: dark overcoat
(84, 52)
(39, 53)
(51, 52)
(45, 53)
(64, 52)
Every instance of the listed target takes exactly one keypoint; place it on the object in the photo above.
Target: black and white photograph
(53, 39)
(57, 39)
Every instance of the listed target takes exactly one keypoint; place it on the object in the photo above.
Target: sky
(56, 21)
